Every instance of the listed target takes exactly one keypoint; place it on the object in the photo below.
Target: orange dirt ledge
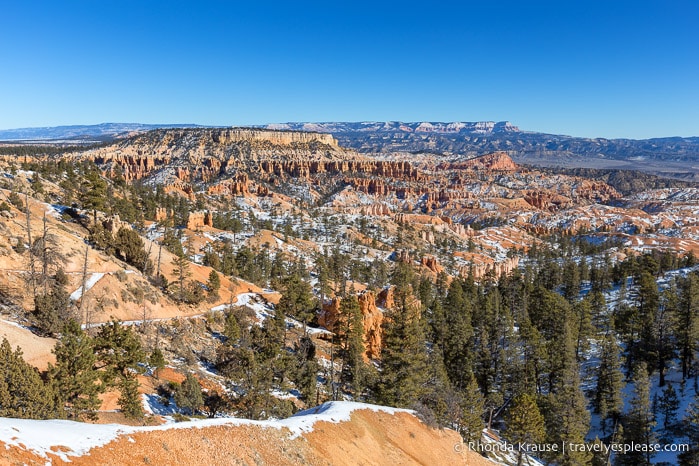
(369, 438)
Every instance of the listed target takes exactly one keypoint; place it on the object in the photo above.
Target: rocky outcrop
(330, 314)
(161, 214)
(113, 224)
(594, 191)
(480, 269)
(372, 317)
(376, 210)
(386, 298)
(197, 220)
(228, 136)
(306, 168)
(496, 161)
(239, 185)
(403, 256)
(547, 200)
(431, 263)
(419, 219)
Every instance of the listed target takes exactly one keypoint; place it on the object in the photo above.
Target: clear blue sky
(586, 68)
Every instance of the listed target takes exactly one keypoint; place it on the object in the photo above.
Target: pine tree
(231, 327)
(441, 399)
(118, 350)
(129, 247)
(403, 377)
(353, 338)
(567, 418)
(297, 299)
(663, 331)
(648, 305)
(157, 361)
(74, 378)
(583, 314)
(213, 284)
(691, 426)
(639, 421)
(668, 404)
(94, 192)
(571, 281)
(687, 322)
(22, 392)
(608, 400)
(472, 408)
(130, 400)
(306, 374)
(51, 310)
(182, 273)
(524, 423)
(188, 395)
(458, 340)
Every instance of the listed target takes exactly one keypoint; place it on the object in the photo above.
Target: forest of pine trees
(506, 352)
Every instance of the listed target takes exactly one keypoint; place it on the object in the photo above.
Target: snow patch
(89, 283)
(79, 438)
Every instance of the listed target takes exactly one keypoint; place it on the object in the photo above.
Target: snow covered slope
(336, 432)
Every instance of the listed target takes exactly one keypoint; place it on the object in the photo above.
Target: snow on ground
(56, 210)
(40, 436)
(89, 283)
(502, 452)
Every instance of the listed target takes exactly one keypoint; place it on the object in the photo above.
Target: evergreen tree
(130, 400)
(608, 400)
(353, 338)
(403, 377)
(297, 299)
(571, 281)
(182, 273)
(51, 310)
(231, 328)
(306, 374)
(188, 395)
(663, 332)
(22, 392)
(687, 322)
(94, 192)
(157, 361)
(648, 304)
(668, 404)
(458, 340)
(119, 352)
(441, 399)
(213, 284)
(567, 418)
(582, 311)
(524, 423)
(691, 426)
(639, 421)
(472, 408)
(129, 247)
(74, 378)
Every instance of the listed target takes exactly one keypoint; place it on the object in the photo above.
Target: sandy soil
(36, 350)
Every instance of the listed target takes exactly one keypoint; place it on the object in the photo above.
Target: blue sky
(585, 68)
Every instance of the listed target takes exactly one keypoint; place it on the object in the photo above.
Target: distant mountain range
(672, 156)
(101, 132)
